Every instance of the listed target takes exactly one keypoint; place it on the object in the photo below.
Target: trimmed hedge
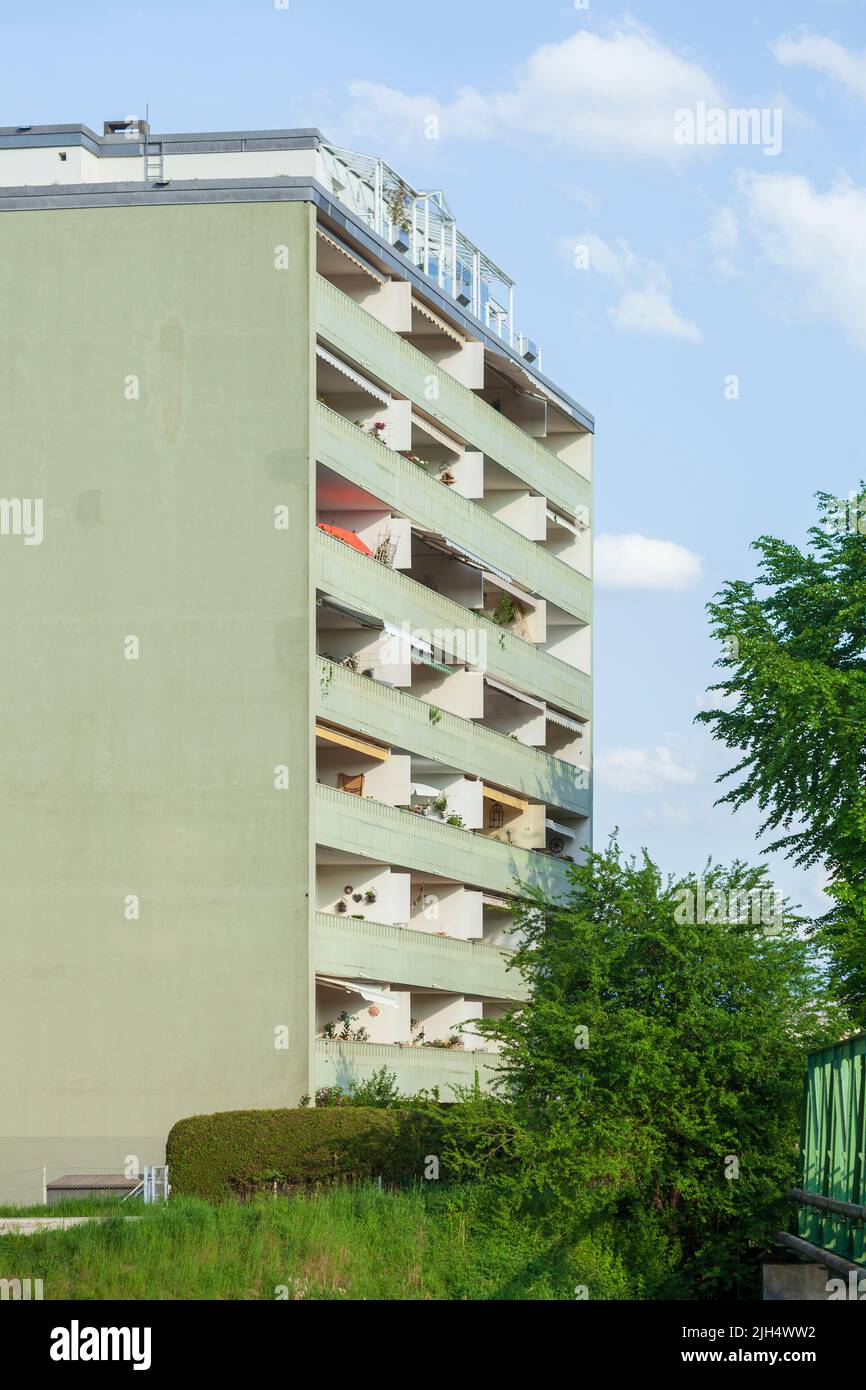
(236, 1153)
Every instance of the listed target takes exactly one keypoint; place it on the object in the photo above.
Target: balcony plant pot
(402, 240)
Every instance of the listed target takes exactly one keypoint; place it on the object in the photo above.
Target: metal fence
(832, 1200)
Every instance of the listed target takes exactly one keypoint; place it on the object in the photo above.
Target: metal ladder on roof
(154, 161)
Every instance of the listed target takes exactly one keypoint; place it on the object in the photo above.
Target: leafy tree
(794, 658)
(659, 1055)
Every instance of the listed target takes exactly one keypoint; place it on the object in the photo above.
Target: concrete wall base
(794, 1281)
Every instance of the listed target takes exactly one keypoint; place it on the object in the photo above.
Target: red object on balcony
(348, 536)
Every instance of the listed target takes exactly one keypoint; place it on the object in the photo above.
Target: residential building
(295, 541)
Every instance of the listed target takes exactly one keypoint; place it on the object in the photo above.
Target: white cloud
(638, 562)
(826, 56)
(578, 194)
(590, 94)
(816, 237)
(716, 699)
(645, 304)
(723, 239)
(651, 311)
(640, 770)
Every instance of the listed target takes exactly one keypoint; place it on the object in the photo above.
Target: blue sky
(704, 262)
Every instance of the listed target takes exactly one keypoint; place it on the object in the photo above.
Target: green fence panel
(834, 1145)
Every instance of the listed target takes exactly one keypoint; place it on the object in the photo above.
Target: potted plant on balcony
(506, 612)
(413, 458)
(397, 203)
(342, 1030)
(370, 896)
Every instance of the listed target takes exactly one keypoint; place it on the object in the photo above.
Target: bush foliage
(237, 1153)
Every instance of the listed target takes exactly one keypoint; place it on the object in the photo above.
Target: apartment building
(295, 543)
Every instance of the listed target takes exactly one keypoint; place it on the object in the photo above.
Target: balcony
(405, 957)
(362, 338)
(407, 489)
(416, 1068)
(402, 721)
(358, 581)
(369, 829)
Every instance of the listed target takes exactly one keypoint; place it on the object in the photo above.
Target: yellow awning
(493, 794)
(358, 745)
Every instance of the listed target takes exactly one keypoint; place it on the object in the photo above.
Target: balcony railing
(405, 487)
(399, 719)
(415, 959)
(363, 339)
(372, 830)
(361, 583)
(416, 1068)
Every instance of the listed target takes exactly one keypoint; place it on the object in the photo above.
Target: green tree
(660, 1055)
(794, 709)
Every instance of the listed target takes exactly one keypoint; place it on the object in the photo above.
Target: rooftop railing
(421, 226)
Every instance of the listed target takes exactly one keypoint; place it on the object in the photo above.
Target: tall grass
(345, 1243)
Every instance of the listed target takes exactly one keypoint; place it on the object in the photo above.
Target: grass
(77, 1206)
(344, 1243)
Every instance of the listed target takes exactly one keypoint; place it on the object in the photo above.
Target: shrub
(379, 1091)
(239, 1152)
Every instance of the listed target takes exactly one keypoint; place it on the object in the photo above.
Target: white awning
(567, 830)
(510, 588)
(556, 718)
(362, 619)
(499, 904)
(350, 255)
(414, 642)
(561, 521)
(372, 996)
(435, 319)
(514, 694)
(439, 435)
(467, 554)
(354, 376)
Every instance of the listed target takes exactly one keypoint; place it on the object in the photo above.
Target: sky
(703, 298)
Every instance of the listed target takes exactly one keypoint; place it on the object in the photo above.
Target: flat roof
(35, 197)
(86, 1182)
